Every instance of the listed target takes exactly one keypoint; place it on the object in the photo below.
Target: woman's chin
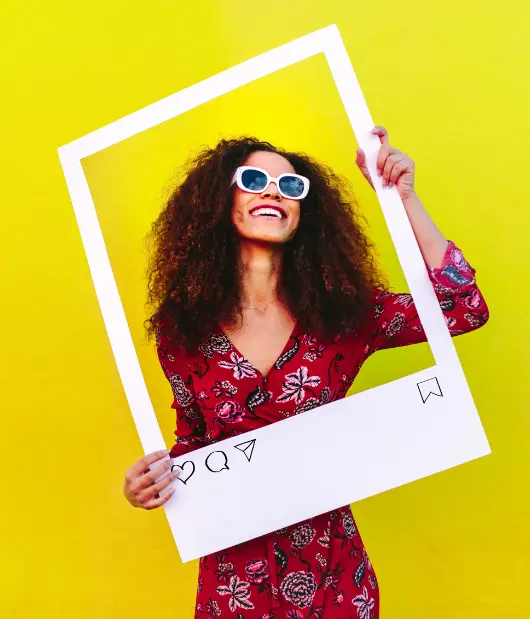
(265, 239)
(260, 235)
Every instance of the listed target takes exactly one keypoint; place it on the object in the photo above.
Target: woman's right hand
(141, 487)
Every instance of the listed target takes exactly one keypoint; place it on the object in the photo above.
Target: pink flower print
(364, 605)
(309, 340)
(257, 571)
(239, 593)
(473, 320)
(473, 300)
(212, 608)
(324, 540)
(339, 598)
(182, 394)
(349, 524)
(219, 342)
(240, 367)
(450, 321)
(396, 325)
(224, 572)
(315, 352)
(299, 588)
(459, 261)
(373, 581)
(302, 536)
(230, 412)
(367, 559)
(295, 385)
(224, 389)
(403, 299)
(378, 310)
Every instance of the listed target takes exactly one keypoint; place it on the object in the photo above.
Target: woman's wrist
(433, 244)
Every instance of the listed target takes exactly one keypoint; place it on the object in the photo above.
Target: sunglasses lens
(254, 180)
(292, 186)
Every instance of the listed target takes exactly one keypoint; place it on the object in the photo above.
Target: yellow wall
(451, 84)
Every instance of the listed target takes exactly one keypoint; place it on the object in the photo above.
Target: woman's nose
(271, 192)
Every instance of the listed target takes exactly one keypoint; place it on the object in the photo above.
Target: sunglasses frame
(270, 179)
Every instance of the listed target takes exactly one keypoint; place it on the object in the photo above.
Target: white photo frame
(433, 424)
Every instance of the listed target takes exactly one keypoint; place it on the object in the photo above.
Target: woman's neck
(260, 265)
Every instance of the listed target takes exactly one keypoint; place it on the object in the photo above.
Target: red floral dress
(320, 566)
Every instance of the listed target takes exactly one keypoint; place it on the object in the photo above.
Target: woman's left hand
(395, 167)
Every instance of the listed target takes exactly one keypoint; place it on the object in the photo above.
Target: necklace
(259, 309)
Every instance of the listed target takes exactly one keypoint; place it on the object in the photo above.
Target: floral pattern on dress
(295, 385)
(319, 567)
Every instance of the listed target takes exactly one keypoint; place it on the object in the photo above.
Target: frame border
(327, 41)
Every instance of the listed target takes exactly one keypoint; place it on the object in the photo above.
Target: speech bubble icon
(217, 461)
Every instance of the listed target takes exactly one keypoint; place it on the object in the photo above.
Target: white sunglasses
(256, 180)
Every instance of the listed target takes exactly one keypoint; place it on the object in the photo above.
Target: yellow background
(450, 82)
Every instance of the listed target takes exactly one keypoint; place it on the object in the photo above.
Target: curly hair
(328, 273)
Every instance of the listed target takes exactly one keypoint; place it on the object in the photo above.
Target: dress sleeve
(191, 426)
(395, 321)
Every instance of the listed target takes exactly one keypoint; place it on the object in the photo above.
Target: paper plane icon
(429, 387)
(247, 448)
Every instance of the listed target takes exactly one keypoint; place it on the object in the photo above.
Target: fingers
(158, 501)
(149, 478)
(384, 153)
(382, 133)
(146, 496)
(391, 162)
(360, 160)
(143, 463)
(395, 165)
(388, 158)
(143, 480)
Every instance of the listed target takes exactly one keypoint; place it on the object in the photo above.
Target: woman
(267, 302)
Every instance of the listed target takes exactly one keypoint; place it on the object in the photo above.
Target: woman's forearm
(397, 169)
(433, 244)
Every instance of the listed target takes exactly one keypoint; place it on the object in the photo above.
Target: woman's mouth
(268, 212)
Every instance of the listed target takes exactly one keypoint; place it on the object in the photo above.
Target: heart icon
(182, 467)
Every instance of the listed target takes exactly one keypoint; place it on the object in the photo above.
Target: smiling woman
(267, 302)
(267, 214)
(202, 240)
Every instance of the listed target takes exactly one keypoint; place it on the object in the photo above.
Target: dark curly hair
(328, 272)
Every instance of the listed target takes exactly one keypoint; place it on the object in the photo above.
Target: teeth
(266, 211)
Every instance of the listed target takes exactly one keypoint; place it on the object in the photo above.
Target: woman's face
(253, 225)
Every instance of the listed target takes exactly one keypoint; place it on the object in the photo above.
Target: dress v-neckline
(265, 376)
